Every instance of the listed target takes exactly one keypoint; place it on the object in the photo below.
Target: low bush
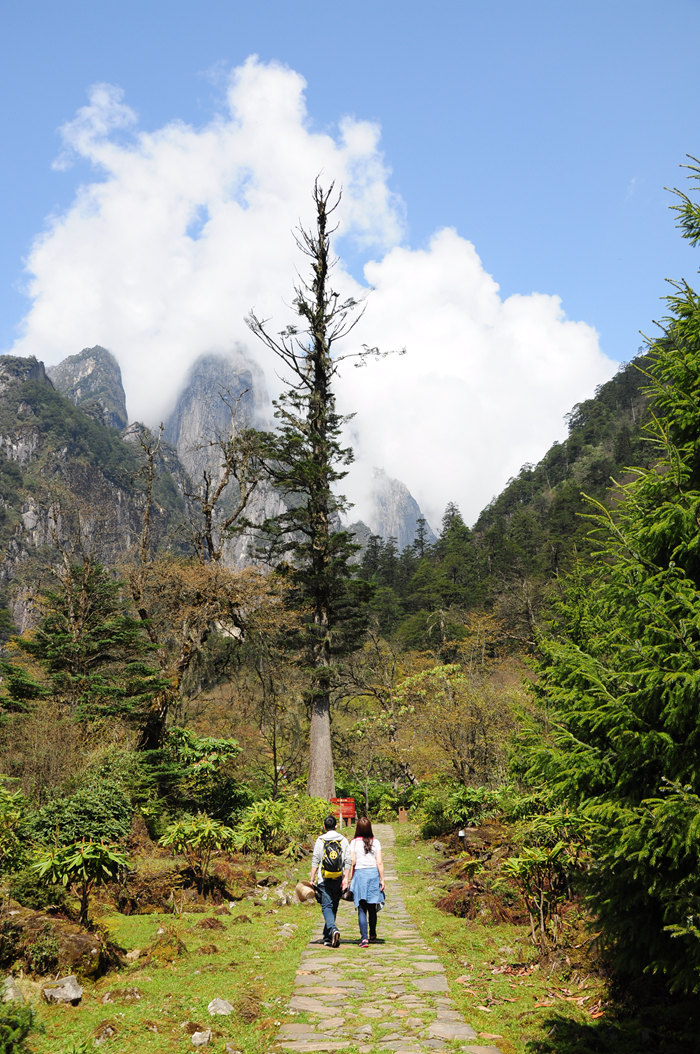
(12, 830)
(42, 953)
(197, 838)
(100, 810)
(454, 805)
(285, 825)
(11, 942)
(16, 1022)
(81, 866)
(31, 891)
(263, 827)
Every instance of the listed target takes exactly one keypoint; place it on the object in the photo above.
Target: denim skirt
(365, 886)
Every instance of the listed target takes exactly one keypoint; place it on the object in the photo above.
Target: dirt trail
(392, 996)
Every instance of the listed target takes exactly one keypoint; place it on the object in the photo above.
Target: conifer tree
(621, 682)
(307, 460)
(92, 653)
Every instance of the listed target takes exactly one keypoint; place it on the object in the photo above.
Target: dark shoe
(372, 937)
(327, 944)
(335, 939)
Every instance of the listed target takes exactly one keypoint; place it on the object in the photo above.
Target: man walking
(331, 860)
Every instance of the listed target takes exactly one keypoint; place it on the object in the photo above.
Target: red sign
(344, 808)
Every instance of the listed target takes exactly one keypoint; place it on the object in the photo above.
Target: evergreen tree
(90, 650)
(307, 460)
(371, 556)
(459, 576)
(621, 682)
(420, 542)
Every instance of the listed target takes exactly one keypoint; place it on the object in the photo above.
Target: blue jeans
(367, 912)
(331, 890)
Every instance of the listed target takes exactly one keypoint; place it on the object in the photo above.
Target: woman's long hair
(364, 831)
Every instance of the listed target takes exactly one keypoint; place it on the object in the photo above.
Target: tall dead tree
(307, 461)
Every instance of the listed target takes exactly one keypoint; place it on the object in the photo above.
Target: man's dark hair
(330, 823)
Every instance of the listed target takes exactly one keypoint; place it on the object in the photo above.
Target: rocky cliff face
(66, 481)
(14, 371)
(92, 380)
(222, 395)
(225, 391)
(394, 512)
(221, 392)
(68, 477)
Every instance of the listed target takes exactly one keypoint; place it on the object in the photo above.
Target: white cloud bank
(184, 230)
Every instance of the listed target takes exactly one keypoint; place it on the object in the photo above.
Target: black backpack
(332, 859)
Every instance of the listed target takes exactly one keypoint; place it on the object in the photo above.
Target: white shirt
(363, 859)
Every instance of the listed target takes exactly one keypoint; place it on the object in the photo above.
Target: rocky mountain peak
(217, 386)
(393, 511)
(92, 380)
(15, 371)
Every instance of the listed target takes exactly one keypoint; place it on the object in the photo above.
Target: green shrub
(305, 821)
(12, 830)
(552, 856)
(193, 774)
(454, 805)
(387, 808)
(285, 825)
(33, 892)
(99, 811)
(42, 953)
(11, 942)
(16, 1022)
(115, 765)
(264, 827)
(197, 838)
(520, 806)
(82, 866)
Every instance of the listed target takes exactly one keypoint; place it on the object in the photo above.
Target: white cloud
(86, 135)
(163, 256)
(184, 230)
(483, 386)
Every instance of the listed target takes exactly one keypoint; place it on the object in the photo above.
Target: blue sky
(542, 135)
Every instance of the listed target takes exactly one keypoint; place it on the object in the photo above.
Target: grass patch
(250, 964)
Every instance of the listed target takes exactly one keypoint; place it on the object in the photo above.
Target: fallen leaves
(516, 977)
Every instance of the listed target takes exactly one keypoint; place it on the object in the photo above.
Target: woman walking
(367, 883)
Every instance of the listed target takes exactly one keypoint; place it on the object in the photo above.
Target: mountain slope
(67, 481)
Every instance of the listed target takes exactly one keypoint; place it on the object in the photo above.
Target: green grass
(493, 974)
(253, 968)
(495, 981)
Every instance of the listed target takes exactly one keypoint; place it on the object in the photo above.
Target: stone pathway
(391, 996)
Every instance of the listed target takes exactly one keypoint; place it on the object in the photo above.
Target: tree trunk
(321, 778)
(84, 905)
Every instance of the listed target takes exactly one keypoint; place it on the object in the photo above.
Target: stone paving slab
(392, 996)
